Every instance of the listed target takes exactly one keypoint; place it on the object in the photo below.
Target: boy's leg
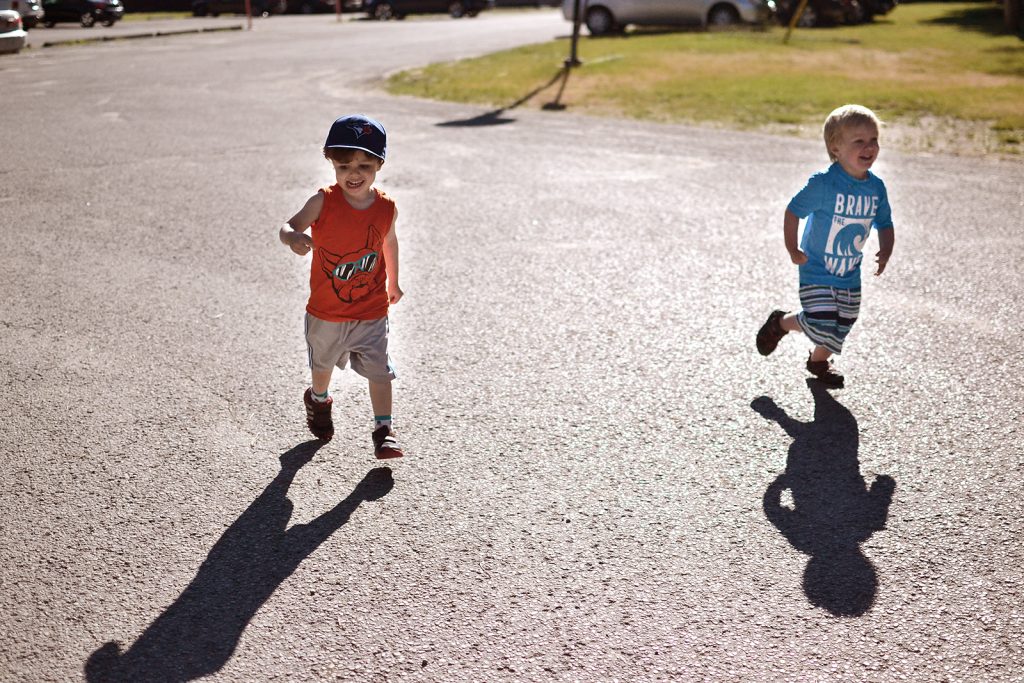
(790, 322)
(384, 443)
(380, 398)
(321, 339)
(321, 381)
(369, 358)
(820, 354)
(827, 317)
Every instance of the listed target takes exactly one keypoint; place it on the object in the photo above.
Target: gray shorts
(361, 343)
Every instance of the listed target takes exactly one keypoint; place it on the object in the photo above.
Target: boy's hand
(798, 257)
(299, 242)
(882, 259)
(395, 293)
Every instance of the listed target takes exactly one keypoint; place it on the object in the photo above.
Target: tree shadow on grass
(985, 17)
(832, 510)
(497, 117)
(198, 633)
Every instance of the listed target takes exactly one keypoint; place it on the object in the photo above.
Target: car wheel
(456, 9)
(87, 19)
(383, 11)
(107, 22)
(723, 15)
(854, 13)
(600, 21)
(49, 24)
(306, 8)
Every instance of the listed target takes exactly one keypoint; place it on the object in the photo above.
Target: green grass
(924, 62)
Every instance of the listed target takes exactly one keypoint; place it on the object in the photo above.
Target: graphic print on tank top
(352, 275)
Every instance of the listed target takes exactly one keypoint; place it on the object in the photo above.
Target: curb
(133, 36)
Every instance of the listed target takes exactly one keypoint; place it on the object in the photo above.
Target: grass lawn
(945, 75)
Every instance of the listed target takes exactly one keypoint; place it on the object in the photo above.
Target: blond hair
(846, 115)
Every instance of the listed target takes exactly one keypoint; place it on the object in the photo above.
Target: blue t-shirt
(840, 212)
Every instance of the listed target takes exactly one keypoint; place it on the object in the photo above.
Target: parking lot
(604, 480)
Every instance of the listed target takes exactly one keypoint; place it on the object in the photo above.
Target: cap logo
(362, 129)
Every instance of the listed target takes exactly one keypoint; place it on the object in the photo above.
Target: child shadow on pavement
(197, 634)
(832, 510)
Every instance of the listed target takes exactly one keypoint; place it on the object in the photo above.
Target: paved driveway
(605, 481)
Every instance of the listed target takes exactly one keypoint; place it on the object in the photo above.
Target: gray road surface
(604, 481)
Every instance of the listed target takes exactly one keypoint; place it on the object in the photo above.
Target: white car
(12, 35)
(606, 16)
(31, 11)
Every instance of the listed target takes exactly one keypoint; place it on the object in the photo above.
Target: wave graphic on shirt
(845, 239)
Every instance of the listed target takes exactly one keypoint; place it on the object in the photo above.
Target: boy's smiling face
(356, 176)
(857, 148)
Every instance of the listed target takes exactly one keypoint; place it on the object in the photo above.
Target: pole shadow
(198, 633)
(833, 511)
(497, 117)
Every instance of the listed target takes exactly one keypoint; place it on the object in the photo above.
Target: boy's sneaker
(770, 333)
(826, 373)
(385, 445)
(318, 416)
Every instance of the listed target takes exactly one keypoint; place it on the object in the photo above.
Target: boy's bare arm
(790, 226)
(886, 240)
(293, 233)
(390, 249)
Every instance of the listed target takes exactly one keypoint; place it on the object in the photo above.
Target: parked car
(259, 8)
(12, 35)
(834, 12)
(398, 9)
(85, 12)
(30, 10)
(309, 6)
(526, 3)
(821, 12)
(321, 6)
(607, 16)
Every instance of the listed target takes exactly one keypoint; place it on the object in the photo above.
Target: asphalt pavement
(604, 480)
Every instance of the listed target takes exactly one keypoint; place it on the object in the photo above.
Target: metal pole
(248, 14)
(337, 9)
(573, 59)
(795, 18)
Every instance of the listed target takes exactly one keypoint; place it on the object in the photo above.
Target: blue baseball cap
(358, 132)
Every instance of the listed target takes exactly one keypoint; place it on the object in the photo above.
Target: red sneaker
(385, 445)
(318, 416)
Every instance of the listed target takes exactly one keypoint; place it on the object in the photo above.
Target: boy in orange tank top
(353, 277)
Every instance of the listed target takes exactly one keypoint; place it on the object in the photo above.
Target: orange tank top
(347, 280)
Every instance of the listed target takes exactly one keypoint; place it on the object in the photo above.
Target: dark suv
(85, 12)
(397, 9)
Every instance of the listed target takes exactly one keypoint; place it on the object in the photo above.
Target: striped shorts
(828, 314)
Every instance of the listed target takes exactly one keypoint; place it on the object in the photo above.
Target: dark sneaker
(318, 416)
(384, 444)
(770, 333)
(826, 373)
